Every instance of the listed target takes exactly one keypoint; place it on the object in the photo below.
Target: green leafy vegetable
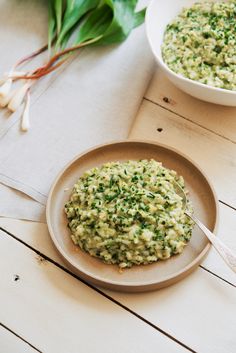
(73, 24)
(139, 17)
(83, 23)
(51, 23)
(96, 23)
(58, 11)
(124, 20)
(105, 21)
(75, 10)
(119, 18)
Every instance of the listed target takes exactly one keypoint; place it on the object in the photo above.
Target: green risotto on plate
(128, 213)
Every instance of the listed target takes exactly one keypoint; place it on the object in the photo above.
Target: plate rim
(173, 278)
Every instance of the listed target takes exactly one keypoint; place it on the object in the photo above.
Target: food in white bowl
(194, 44)
(128, 213)
(200, 44)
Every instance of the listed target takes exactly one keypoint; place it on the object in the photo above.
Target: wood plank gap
(21, 338)
(188, 119)
(226, 204)
(98, 291)
(214, 274)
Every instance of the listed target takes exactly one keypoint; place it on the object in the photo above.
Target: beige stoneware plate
(138, 278)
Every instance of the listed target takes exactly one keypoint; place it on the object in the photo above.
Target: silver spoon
(227, 255)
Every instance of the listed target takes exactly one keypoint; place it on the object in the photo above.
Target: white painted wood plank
(217, 118)
(215, 155)
(200, 311)
(202, 305)
(227, 233)
(57, 313)
(9, 343)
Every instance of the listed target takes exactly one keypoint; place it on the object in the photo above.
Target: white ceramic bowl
(159, 14)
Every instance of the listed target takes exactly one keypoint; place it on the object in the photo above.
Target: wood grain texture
(216, 118)
(60, 314)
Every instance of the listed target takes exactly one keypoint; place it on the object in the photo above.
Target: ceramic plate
(143, 277)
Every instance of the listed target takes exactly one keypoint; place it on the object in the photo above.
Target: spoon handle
(228, 256)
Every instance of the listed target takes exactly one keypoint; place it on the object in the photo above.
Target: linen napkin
(94, 100)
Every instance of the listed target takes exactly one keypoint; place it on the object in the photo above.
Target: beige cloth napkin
(94, 100)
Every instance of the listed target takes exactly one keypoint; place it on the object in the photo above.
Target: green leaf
(124, 14)
(124, 20)
(139, 18)
(64, 41)
(58, 4)
(51, 23)
(75, 10)
(95, 24)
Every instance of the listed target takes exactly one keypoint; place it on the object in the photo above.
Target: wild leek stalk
(72, 24)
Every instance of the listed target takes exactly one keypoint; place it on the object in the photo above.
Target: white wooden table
(45, 307)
